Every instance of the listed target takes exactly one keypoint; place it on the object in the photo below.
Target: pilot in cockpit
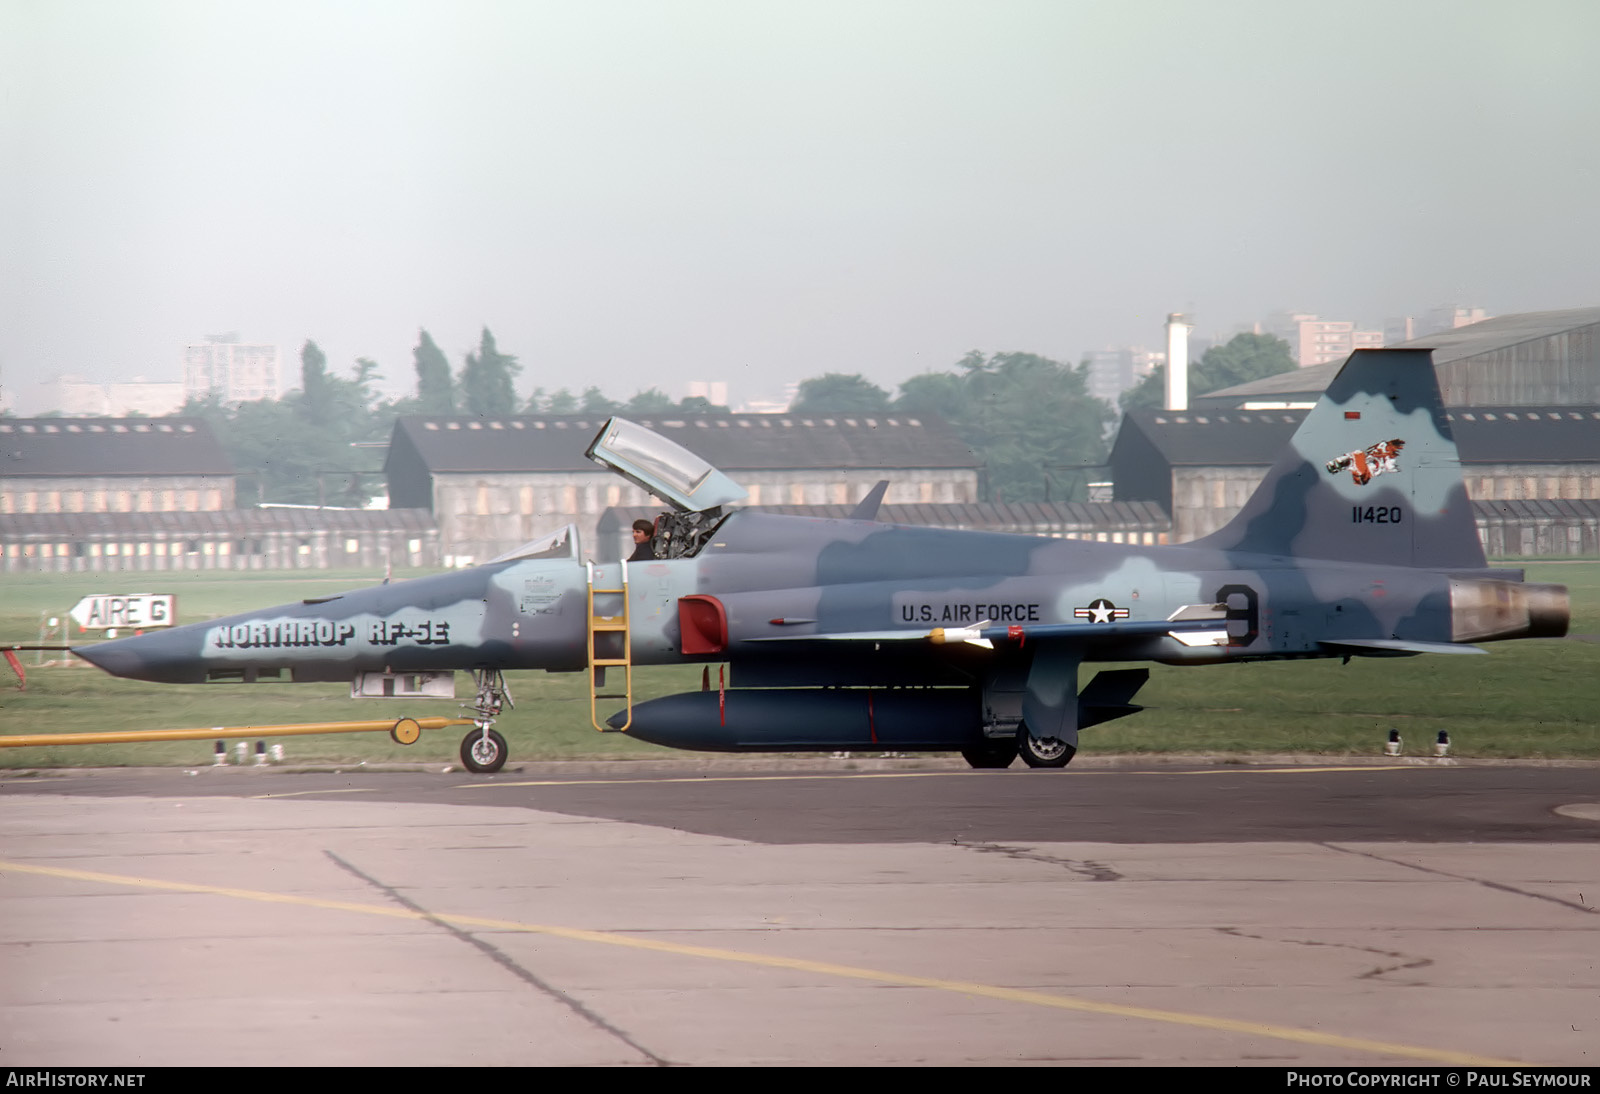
(644, 549)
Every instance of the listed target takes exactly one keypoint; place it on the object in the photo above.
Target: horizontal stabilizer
(1110, 696)
(1392, 647)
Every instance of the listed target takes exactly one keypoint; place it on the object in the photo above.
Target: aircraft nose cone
(107, 656)
(167, 657)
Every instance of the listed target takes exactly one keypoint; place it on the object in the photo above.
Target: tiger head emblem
(1365, 464)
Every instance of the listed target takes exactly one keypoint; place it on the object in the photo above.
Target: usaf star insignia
(1100, 611)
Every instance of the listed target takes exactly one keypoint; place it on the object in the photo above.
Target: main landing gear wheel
(483, 751)
(1043, 751)
(990, 755)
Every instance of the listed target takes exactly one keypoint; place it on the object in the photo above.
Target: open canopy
(667, 470)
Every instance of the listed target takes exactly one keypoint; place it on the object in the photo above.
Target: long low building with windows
(288, 538)
(494, 483)
(112, 465)
(100, 494)
(1137, 522)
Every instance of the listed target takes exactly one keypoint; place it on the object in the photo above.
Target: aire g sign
(135, 610)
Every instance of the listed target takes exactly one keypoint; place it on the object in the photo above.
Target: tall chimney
(1178, 328)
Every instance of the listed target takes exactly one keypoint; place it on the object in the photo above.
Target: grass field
(1534, 698)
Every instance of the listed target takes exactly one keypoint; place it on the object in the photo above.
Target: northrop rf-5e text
(854, 634)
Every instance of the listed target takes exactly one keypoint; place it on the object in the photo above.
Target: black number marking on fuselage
(1375, 514)
(1249, 613)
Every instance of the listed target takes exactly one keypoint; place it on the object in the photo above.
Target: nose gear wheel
(483, 750)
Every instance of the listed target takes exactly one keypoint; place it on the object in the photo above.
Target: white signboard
(135, 610)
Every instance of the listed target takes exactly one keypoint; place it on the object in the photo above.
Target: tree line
(323, 443)
(1036, 431)
(1039, 434)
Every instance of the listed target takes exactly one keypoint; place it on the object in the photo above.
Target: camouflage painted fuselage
(1359, 542)
(794, 579)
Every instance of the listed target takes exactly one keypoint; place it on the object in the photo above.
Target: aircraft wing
(1395, 647)
(1191, 632)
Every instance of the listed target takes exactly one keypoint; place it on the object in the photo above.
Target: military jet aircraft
(857, 635)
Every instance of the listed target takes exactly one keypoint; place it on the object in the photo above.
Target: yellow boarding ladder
(610, 645)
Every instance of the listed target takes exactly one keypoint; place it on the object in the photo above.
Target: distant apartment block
(76, 397)
(1115, 369)
(1314, 340)
(791, 392)
(1450, 317)
(714, 392)
(1433, 321)
(235, 371)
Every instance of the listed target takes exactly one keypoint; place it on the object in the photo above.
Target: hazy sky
(637, 194)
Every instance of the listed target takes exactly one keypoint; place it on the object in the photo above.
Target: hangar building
(1140, 522)
(99, 494)
(495, 483)
(1544, 358)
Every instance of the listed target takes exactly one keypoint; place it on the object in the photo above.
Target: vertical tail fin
(1370, 476)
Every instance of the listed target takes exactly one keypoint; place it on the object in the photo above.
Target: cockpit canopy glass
(665, 469)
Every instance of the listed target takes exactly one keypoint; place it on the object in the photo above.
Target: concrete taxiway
(1202, 914)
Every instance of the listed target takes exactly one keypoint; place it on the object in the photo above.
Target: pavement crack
(1499, 886)
(1403, 961)
(504, 960)
(1094, 871)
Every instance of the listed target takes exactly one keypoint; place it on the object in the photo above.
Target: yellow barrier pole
(35, 740)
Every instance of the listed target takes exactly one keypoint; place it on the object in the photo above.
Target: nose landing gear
(483, 751)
